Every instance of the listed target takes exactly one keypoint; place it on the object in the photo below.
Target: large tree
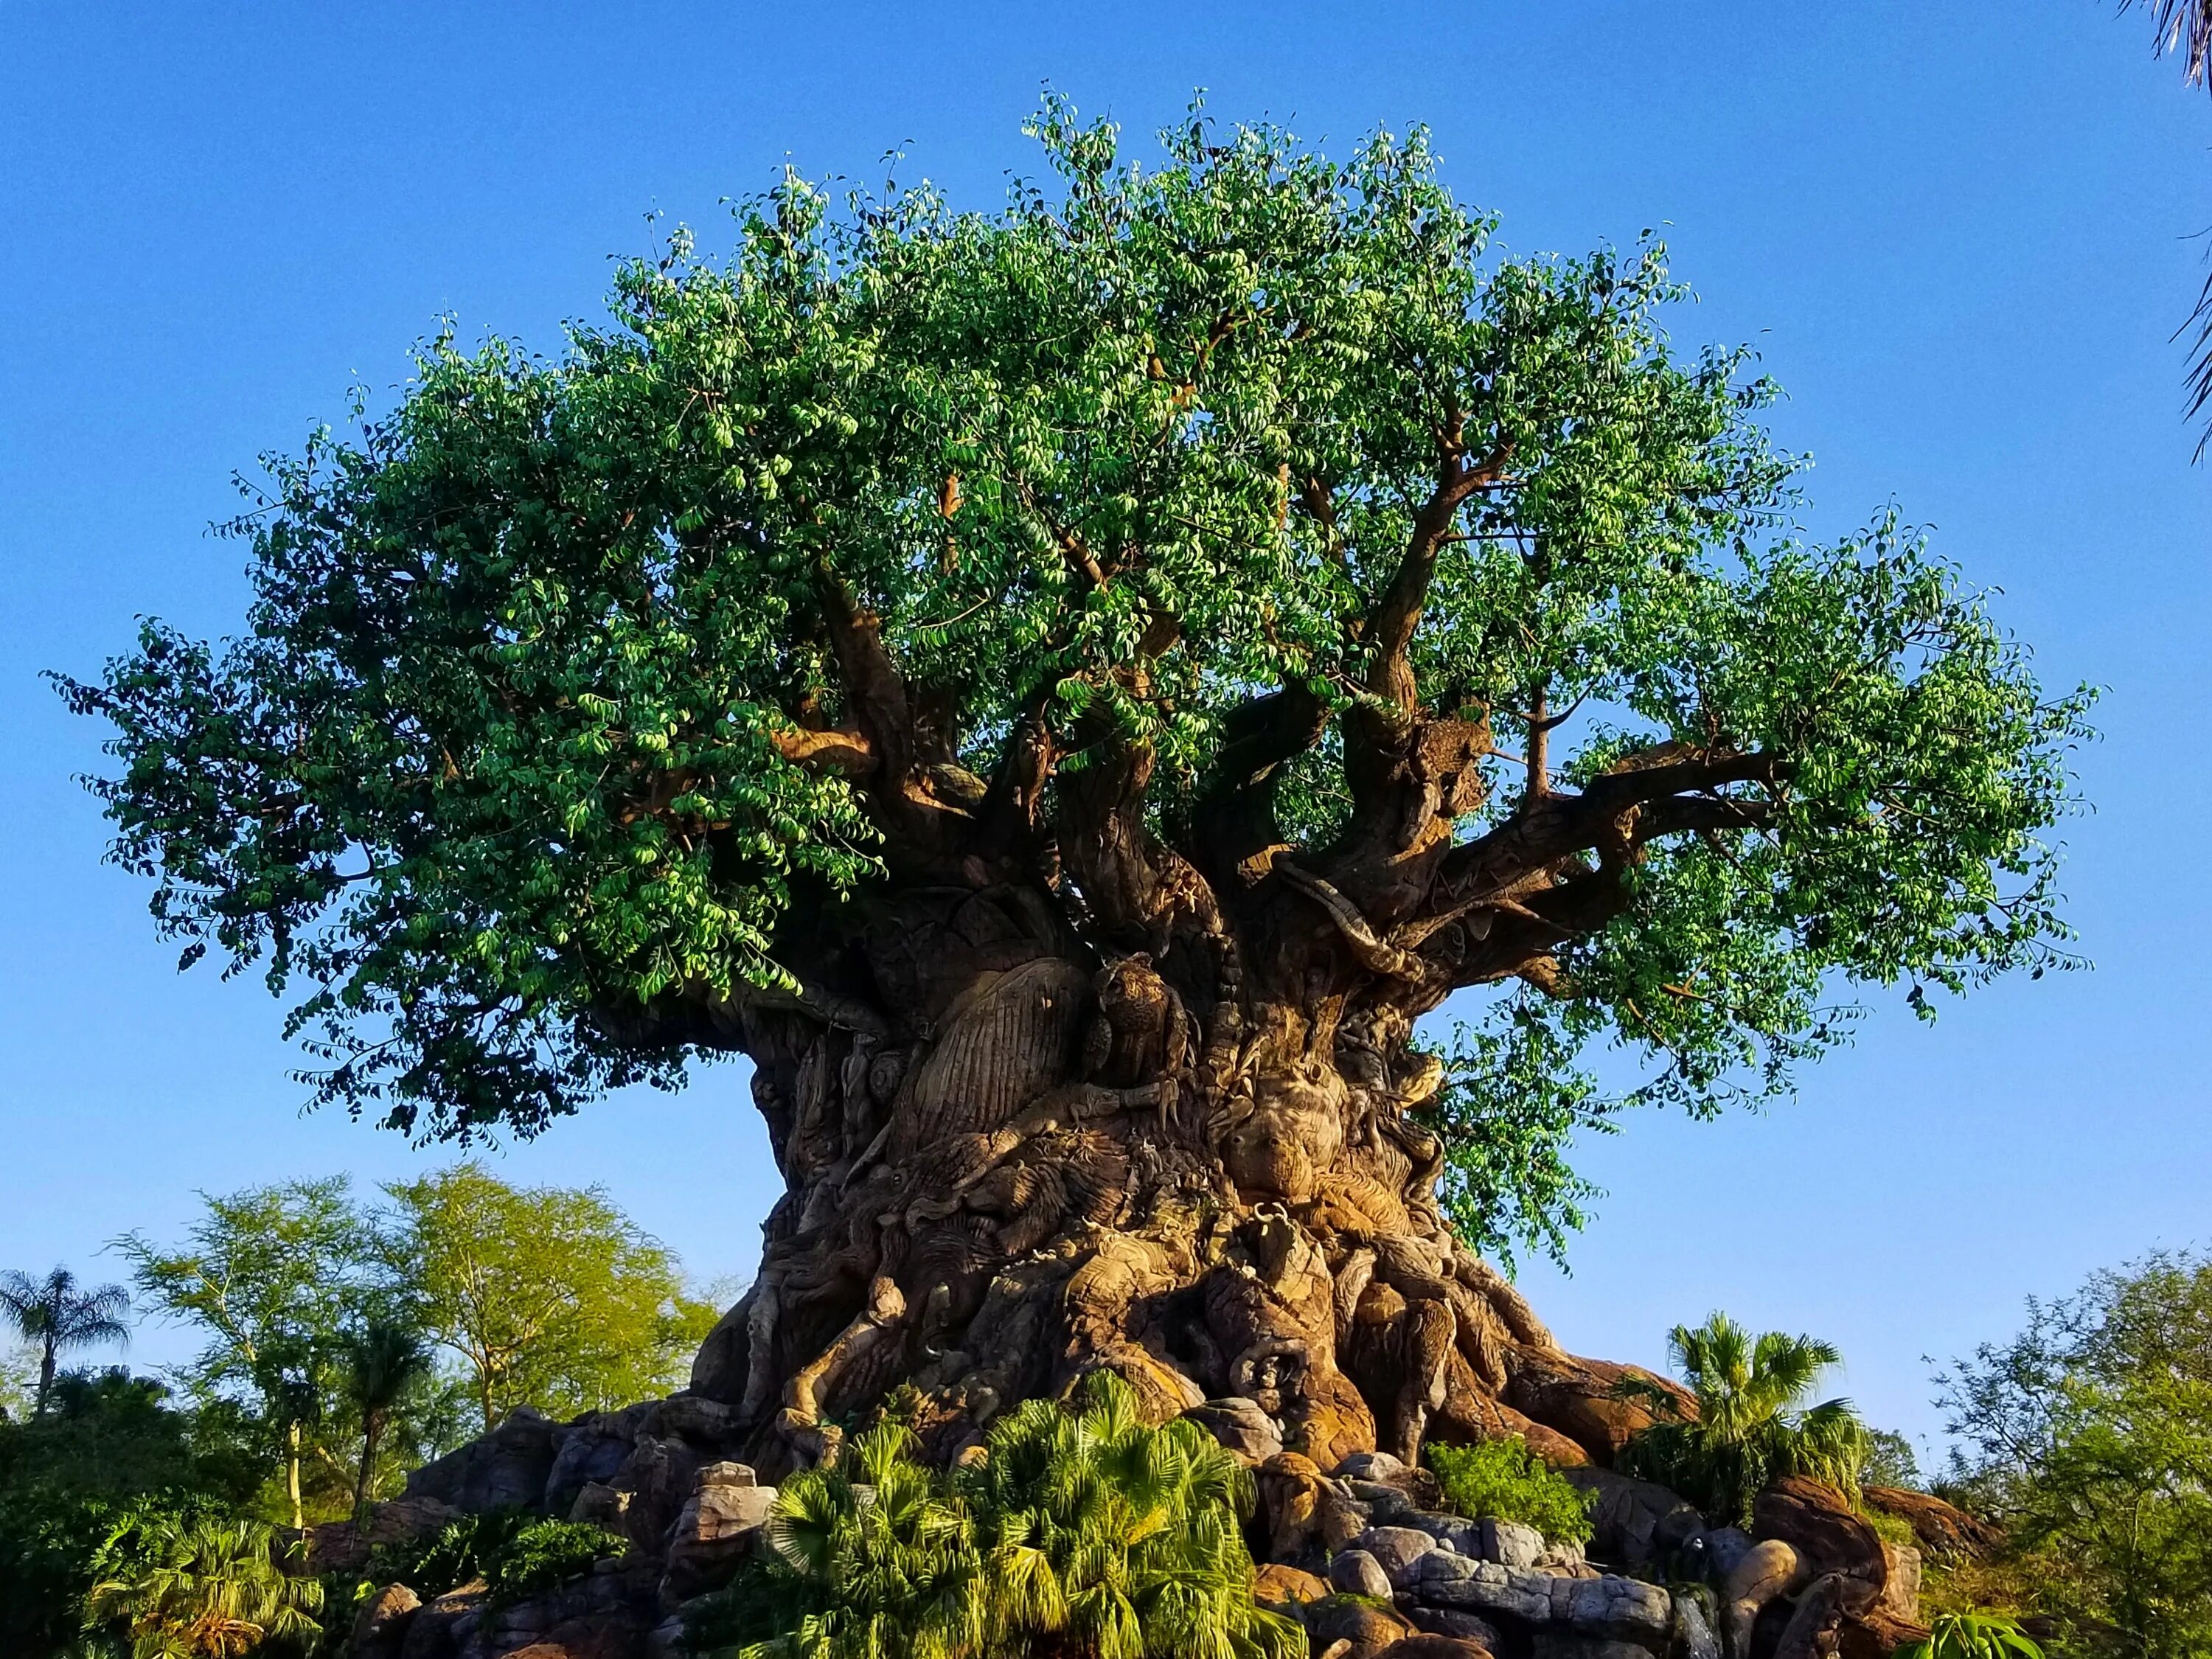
(1063, 691)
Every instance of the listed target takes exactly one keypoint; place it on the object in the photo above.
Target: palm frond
(2183, 26)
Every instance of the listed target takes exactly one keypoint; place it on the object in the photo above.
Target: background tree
(1063, 691)
(1751, 1424)
(383, 1361)
(2088, 1438)
(59, 1317)
(274, 1276)
(548, 1296)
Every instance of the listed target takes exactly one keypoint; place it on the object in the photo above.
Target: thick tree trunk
(1011, 1160)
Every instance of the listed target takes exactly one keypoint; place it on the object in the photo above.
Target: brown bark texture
(1073, 1086)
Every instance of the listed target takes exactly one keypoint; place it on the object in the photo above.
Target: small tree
(382, 1361)
(1750, 1425)
(57, 1316)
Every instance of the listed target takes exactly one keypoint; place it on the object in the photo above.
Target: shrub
(1506, 1481)
(545, 1553)
(1972, 1635)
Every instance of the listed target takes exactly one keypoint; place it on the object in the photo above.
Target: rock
(1396, 1549)
(1509, 1543)
(588, 1452)
(713, 1533)
(1451, 1532)
(1290, 1491)
(1485, 1588)
(1816, 1627)
(1241, 1425)
(506, 1468)
(1633, 1522)
(1694, 1635)
(1900, 1589)
(1451, 1621)
(1383, 1503)
(1379, 1467)
(1278, 1585)
(1724, 1547)
(1548, 1444)
(584, 1638)
(440, 1625)
(658, 1475)
(1564, 1557)
(1578, 1398)
(1366, 1627)
(693, 1417)
(1358, 1573)
(1818, 1523)
(1435, 1647)
(342, 1547)
(380, 1627)
(1616, 1609)
(1565, 1644)
(1945, 1531)
(1766, 1571)
(601, 1506)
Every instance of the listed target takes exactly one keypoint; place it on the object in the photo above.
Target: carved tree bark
(1060, 1094)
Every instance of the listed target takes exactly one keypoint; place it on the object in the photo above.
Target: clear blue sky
(1958, 234)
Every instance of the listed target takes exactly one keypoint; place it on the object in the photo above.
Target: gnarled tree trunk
(1012, 1158)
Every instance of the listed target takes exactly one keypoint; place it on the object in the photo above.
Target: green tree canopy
(2088, 1438)
(548, 1296)
(1246, 505)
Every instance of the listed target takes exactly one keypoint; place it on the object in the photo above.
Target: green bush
(1504, 1480)
(512, 1552)
(545, 1553)
(1970, 1636)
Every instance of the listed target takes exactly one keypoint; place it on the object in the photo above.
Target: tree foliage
(548, 1296)
(1503, 1479)
(1213, 506)
(2088, 1438)
(58, 1317)
(203, 1590)
(1752, 1426)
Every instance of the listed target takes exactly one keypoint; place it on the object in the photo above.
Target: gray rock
(1398, 1549)
(713, 1534)
(1241, 1425)
(1450, 1621)
(728, 1474)
(1566, 1645)
(1509, 1543)
(1617, 1609)
(659, 1476)
(1455, 1531)
(600, 1505)
(505, 1469)
(1636, 1522)
(1564, 1557)
(1725, 1547)
(1485, 1588)
(1358, 1573)
(1379, 1467)
(1387, 1502)
(691, 1417)
(380, 1629)
(1694, 1637)
(587, 1453)
(1441, 1567)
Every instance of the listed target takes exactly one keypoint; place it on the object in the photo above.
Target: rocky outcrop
(1944, 1531)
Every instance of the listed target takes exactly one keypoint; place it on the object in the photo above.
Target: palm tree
(203, 1589)
(382, 1360)
(1750, 1427)
(56, 1314)
(1082, 1535)
(2183, 26)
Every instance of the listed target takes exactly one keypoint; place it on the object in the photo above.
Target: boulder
(1365, 1628)
(1602, 1608)
(1579, 1399)
(1427, 1646)
(1724, 1547)
(1484, 1589)
(1278, 1585)
(1356, 1572)
(658, 1475)
(1635, 1523)
(591, 1449)
(707, 1424)
(1509, 1543)
(1766, 1571)
(1818, 1523)
(506, 1468)
(1900, 1588)
(585, 1639)
(1695, 1634)
(715, 1531)
(380, 1627)
(1396, 1549)
(601, 1506)
(1617, 1610)
(1380, 1469)
(443, 1623)
(1945, 1531)
(1239, 1424)
(1451, 1621)
(1306, 1516)
(343, 1546)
